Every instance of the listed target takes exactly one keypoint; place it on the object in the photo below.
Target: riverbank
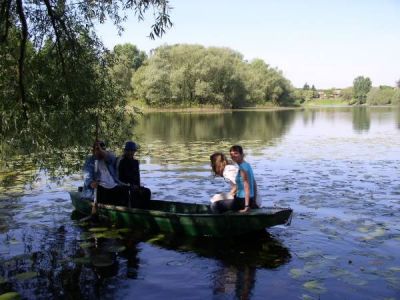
(327, 102)
(212, 109)
(207, 108)
(217, 109)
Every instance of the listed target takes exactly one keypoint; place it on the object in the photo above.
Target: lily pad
(85, 236)
(98, 229)
(306, 297)
(83, 224)
(156, 239)
(3, 280)
(394, 269)
(82, 260)
(296, 273)
(314, 286)
(115, 248)
(10, 296)
(14, 242)
(102, 260)
(86, 245)
(363, 229)
(108, 235)
(26, 275)
(124, 230)
(372, 236)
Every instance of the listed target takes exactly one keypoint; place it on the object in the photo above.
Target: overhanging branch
(22, 50)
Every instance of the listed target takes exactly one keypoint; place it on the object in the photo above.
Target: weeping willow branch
(21, 59)
(5, 17)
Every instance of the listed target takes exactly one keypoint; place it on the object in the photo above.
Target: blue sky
(321, 42)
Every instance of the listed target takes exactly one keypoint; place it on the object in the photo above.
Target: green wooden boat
(185, 218)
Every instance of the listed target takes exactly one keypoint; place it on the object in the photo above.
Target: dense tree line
(364, 93)
(383, 95)
(193, 75)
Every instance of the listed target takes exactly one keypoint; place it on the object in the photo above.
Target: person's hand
(246, 209)
(93, 184)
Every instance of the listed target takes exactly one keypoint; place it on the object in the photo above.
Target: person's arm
(137, 172)
(246, 186)
(233, 189)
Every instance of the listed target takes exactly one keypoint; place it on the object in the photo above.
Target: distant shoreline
(217, 110)
(260, 108)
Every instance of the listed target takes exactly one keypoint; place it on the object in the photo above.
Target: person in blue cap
(129, 173)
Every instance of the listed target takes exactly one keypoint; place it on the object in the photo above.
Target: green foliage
(63, 106)
(347, 94)
(384, 95)
(328, 102)
(361, 87)
(192, 75)
(127, 59)
(56, 79)
(303, 95)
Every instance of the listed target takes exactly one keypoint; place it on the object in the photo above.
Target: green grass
(330, 101)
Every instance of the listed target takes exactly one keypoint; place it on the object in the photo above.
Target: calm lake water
(338, 168)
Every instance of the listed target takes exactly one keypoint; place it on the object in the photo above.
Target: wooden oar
(94, 207)
(93, 214)
(96, 168)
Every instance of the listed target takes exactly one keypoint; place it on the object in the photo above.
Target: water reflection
(341, 179)
(361, 119)
(89, 263)
(238, 259)
(236, 125)
(190, 138)
(185, 138)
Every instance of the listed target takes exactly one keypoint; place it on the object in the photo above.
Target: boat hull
(185, 218)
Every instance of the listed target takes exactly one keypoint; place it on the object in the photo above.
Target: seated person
(246, 194)
(109, 188)
(238, 177)
(222, 167)
(128, 173)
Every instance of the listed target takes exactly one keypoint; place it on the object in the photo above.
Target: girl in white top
(222, 167)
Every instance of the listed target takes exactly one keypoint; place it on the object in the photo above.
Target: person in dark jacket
(109, 189)
(129, 173)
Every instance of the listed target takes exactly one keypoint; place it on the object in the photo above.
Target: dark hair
(237, 148)
(100, 143)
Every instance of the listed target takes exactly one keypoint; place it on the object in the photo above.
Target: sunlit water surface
(338, 168)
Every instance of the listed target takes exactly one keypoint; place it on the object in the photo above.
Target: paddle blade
(94, 208)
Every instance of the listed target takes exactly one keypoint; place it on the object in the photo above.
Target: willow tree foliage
(55, 75)
(127, 59)
(383, 95)
(361, 87)
(192, 75)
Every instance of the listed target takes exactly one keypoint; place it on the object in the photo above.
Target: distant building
(332, 93)
(337, 93)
